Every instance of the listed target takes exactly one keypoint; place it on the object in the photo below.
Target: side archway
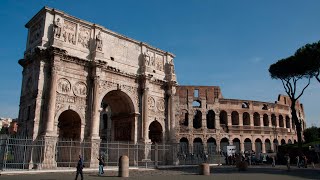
(155, 132)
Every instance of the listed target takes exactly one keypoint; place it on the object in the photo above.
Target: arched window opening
(281, 124)
(245, 105)
(235, 118)
(288, 122)
(265, 120)
(265, 107)
(184, 118)
(211, 120)
(212, 146)
(256, 117)
(273, 120)
(197, 121)
(223, 118)
(196, 104)
(246, 119)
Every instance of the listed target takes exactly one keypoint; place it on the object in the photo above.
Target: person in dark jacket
(101, 164)
(79, 168)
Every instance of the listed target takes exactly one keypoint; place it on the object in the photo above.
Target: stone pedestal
(204, 169)
(93, 153)
(123, 166)
(49, 161)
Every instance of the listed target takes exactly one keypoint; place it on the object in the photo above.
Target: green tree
(311, 134)
(308, 59)
(289, 72)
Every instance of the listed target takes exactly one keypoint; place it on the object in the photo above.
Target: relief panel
(84, 36)
(64, 86)
(69, 32)
(80, 89)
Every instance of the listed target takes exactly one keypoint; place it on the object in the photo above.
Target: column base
(49, 161)
(93, 153)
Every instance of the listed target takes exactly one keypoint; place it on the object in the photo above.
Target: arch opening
(211, 120)
(69, 130)
(155, 132)
(117, 117)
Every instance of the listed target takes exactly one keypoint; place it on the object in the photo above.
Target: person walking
(298, 161)
(101, 164)
(288, 161)
(79, 168)
(273, 161)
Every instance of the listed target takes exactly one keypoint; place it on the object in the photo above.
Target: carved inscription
(62, 98)
(84, 36)
(64, 86)
(69, 32)
(80, 89)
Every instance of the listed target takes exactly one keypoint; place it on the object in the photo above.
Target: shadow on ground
(305, 173)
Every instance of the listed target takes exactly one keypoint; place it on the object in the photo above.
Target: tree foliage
(311, 134)
(308, 60)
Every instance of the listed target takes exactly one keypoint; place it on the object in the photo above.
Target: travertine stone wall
(229, 120)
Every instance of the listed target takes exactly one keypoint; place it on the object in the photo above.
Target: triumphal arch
(82, 81)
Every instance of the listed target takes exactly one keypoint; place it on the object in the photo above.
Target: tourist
(288, 161)
(298, 162)
(101, 164)
(273, 161)
(305, 161)
(79, 168)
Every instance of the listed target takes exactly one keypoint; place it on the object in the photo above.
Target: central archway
(117, 117)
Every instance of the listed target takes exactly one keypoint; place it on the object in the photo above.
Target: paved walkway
(181, 173)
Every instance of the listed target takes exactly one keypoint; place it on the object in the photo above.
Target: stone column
(253, 146)
(95, 118)
(277, 121)
(290, 126)
(95, 109)
(269, 120)
(52, 100)
(261, 121)
(242, 146)
(240, 119)
(263, 147)
(190, 120)
(49, 161)
(230, 141)
(217, 121)
(145, 115)
(251, 120)
(272, 146)
(171, 116)
(229, 119)
(204, 120)
(135, 128)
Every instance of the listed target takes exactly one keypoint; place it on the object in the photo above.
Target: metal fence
(20, 153)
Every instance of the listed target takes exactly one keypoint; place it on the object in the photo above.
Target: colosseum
(208, 122)
(87, 84)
